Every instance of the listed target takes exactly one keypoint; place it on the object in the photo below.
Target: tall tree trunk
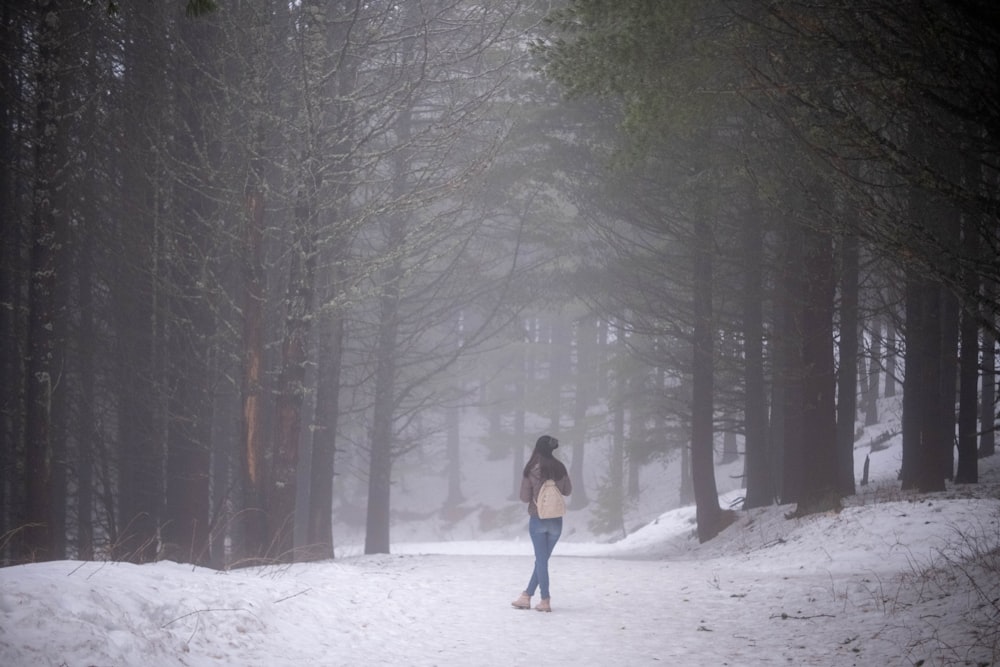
(89, 183)
(922, 461)
(453, 415)
(968, 399)
(614, 501)
(254, 36)
(186, 526)
(934, 438)
(913, 382)
(226, 535)
(324, 437)
(759, 480)
(686, 494)
(340, 112)
(707, 510)
(871, 383)
(987, 406)
(949, 354)
(59, 409)
(819, 467)
(638, 437)
(189, 436)
(524, 375)
(660, 429)
(581, 403)
(253, 527)
(932, 336)
(47, 231)
(453, 435)
(87, 438)
(139, 306)
(557, 348)
(191, 322)
(890, 355)
(140, 457)
(968, 464)
(377, 524)
(282, 485)
(847, 375)
(948, 222)
(15, 224)
(788, 367)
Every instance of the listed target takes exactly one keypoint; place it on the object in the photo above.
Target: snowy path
(881, 583)
(611, 612)
(445, 610)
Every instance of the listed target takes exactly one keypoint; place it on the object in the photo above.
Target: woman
(544, 532)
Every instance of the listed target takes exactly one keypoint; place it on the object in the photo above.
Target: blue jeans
(544, 535)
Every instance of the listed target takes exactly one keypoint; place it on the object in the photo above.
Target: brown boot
(522, 602)
(543, 605)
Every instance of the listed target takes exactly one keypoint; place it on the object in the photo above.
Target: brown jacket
(531, 485)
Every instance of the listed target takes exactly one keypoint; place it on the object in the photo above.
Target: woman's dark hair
(552, 468)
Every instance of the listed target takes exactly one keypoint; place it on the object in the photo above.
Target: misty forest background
(252, 249)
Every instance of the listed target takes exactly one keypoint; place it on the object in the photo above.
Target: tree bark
(13, 268)
(788, 367)
(933, 437)
(890, 355)
(913, 386)
(946, 424)
(987, 406)
(87, 438)
(581, 403)
(282, 486)
(324, 438)
(847, 375)
(524, 375)
(921, 467)
(759, 481)
(377, 524)
(872, 375)
(968, 464)
(707, 510)
(254, 532)
(614, 500)
(819, 490)
(37, 538)
(968, 398)
(453, 415)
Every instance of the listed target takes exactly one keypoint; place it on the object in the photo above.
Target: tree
(47, 237)
(437, 142)
(820, 472)
(987, 407)
(759, 475)
(913, 120)
(619, 50)
(708, 512)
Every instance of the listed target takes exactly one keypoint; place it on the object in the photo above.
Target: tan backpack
(550, 502)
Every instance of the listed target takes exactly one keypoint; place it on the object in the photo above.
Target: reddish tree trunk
(254, 536)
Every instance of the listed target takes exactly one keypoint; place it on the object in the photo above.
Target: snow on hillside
(893, 579)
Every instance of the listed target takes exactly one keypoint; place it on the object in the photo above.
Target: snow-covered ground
(893, 579)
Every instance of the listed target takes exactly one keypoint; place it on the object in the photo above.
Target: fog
(281, 278)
